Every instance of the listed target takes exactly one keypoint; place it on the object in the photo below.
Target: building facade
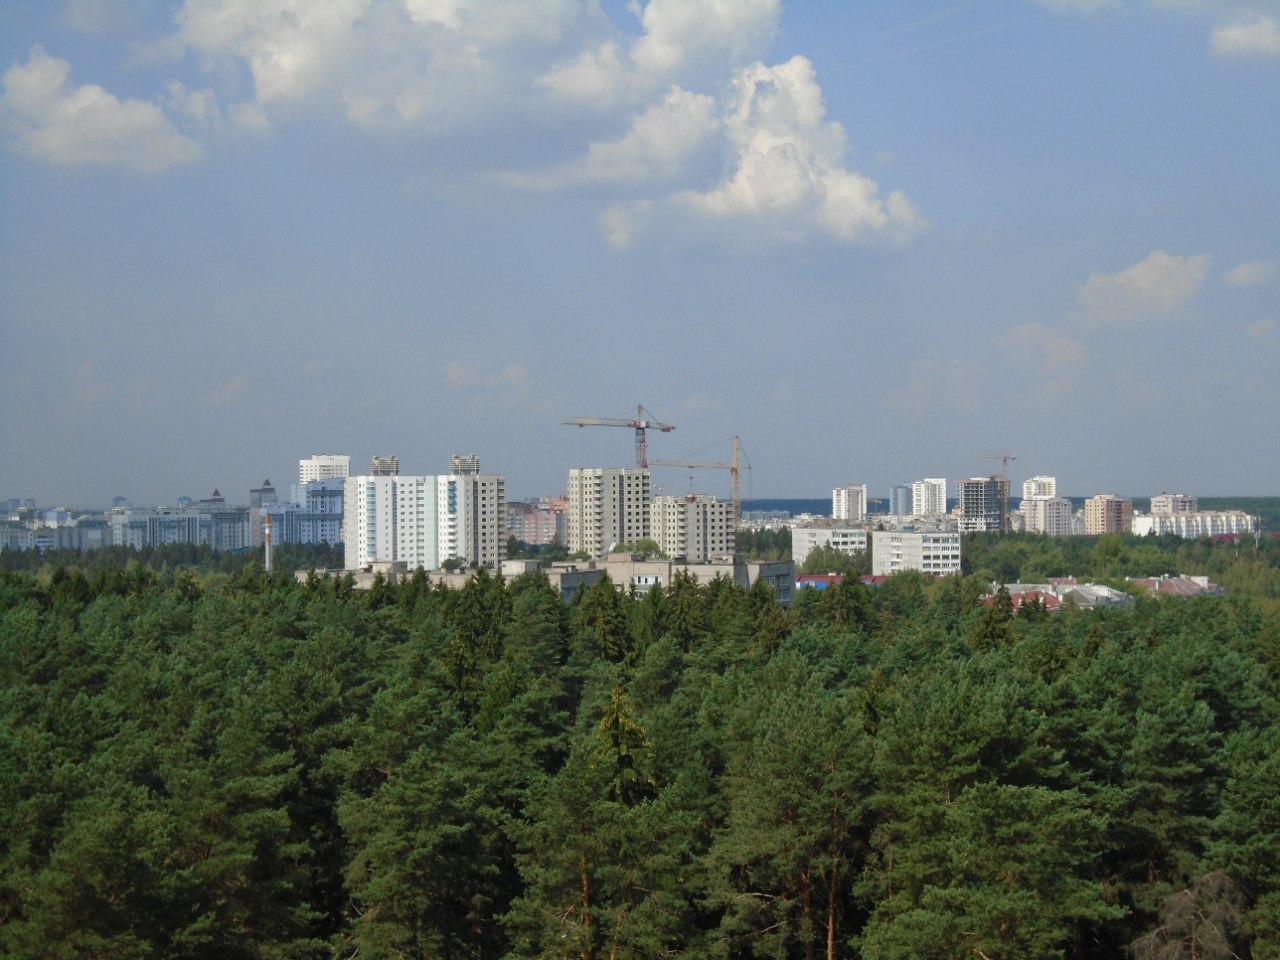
(424, 521)
(606, 507)
(847, 540)
(900, 500)
(1039, 487)
(1048, 515)
(935, 553)
(1202, 523)
(982, 502)
(387, 465)
(1107, 513)
(696, 527)
(929, 497)
(324, 466)
(1167, 504)
(849, 503)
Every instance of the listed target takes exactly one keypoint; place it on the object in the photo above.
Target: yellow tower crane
(735, 486)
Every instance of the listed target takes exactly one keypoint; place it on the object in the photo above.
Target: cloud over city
(1156, 287)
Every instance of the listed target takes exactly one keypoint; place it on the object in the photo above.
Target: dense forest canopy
(203, 763)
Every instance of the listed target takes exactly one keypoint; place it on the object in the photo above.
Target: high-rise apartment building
(324, 466)
(900, 500)
(849, 503)
(982, 503)
(1048, 515)
(607, 507)
(697, 527)
(1039, 487)
(1167, 504)
(384, 466)
(1107, 513)
(929, 497)
(422, 521)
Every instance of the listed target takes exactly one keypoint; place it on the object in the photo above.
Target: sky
(874, 240)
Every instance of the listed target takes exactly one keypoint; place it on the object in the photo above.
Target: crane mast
(1004, 456)
(735, 483)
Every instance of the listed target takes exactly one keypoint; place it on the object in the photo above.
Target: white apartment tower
(1039, 487)
(929, 497)
(697, 527)
(849, 503)
(606, 507)
(324, 466)
(422, 521)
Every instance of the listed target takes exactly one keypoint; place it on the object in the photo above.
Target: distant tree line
(247, 766)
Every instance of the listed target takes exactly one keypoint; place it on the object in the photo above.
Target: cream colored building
(1107, 513)
(1048, 515)
(606, 507)
(697, 527)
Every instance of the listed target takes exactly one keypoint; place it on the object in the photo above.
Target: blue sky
(873, 239)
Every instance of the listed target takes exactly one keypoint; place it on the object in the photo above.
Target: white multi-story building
(1166, 504)
(481, 529)
(847, 540)
(324, 466)
(1039, 487)
(697, 527)
(1202, 523)
(849, 503)
(423, 521)
(929, 497)
(606, 507)
(1048, 515)
(935, 553)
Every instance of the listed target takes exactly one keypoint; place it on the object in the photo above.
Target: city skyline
(874, 242)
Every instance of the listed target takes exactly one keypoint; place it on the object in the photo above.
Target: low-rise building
(1202, 523)
(850, 541)
(936, 553)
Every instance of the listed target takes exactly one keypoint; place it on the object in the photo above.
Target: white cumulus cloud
(1250, 274)
(676, 31)
(1158, 285)
(44, 116)
(659, 146)
(1254, 35)
(788, 163)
